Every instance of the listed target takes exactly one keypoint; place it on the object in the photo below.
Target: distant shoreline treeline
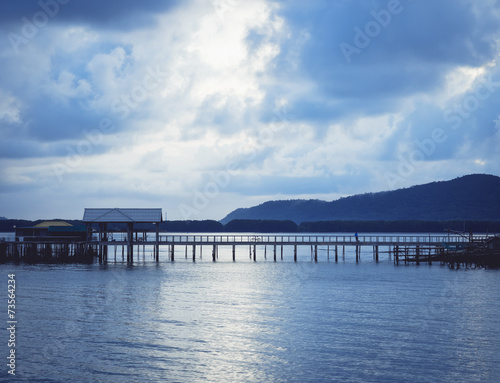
(274, 226)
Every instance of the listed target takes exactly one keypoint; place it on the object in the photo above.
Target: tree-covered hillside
(472, 197)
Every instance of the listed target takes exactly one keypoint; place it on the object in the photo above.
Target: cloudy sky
(203, 106)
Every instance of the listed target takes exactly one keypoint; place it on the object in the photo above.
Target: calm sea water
(253, 322)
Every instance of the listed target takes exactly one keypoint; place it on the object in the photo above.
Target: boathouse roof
(122, 215)
(46, 224)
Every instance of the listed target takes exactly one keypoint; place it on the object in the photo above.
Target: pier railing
(317, 239)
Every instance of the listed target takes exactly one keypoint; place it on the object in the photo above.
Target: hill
(471, 197)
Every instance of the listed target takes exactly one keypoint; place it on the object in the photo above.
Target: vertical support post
(194, 253)
(254, 253)
(130, 242)
(336, 254)
(315, 253)
(234, 253)
(157, 245)
(357, 254)
(274, 253)
(214, 249)
(100, 243)
(105, 247)
(417, 255)
(343, 253)
(295, 253)
(281, 252)
(265, 251)
(172, 253)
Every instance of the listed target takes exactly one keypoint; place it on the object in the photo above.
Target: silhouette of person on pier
(356, 235)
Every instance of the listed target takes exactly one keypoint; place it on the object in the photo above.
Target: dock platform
(402, 249)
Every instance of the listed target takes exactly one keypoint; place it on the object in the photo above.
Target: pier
(453, 250)
(111, 234)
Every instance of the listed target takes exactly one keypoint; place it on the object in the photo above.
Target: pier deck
(407, 248)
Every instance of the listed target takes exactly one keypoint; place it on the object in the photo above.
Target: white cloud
(9, 109)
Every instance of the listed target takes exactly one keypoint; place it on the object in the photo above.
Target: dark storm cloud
(111, 13)
(410, 51)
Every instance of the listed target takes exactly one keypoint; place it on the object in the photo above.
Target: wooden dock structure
(41, 250)
(401, 249)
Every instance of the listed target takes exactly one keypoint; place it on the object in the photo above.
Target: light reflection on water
(257, 322)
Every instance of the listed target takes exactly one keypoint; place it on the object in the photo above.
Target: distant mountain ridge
(471, 197)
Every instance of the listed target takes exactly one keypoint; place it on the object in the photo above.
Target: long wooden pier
(401, 248)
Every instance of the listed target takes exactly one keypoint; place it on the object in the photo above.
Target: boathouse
(51, 230)
(132, 221)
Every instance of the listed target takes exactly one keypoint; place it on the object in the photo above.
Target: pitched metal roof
(46, 224)
(122, 215)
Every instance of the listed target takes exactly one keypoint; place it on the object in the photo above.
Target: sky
(202, 107)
